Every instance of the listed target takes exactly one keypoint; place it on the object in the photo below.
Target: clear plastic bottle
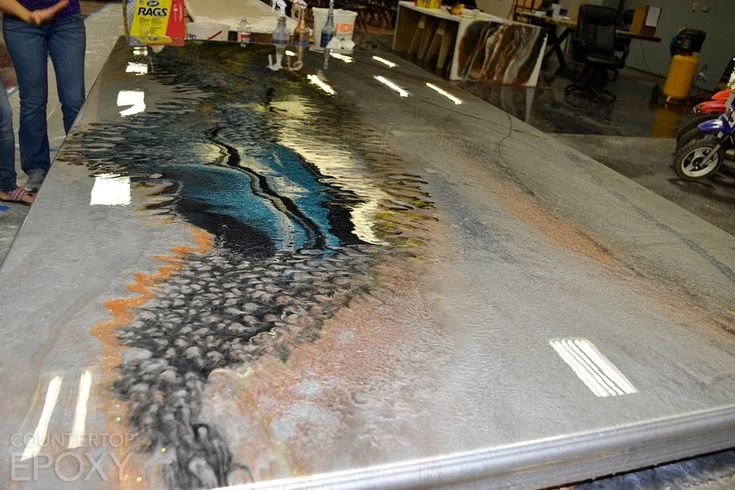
(280, 38)
(301, 34)
(328, 31)
(243, 32)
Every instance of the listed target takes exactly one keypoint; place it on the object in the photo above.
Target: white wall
(718, 23)
(501, 8)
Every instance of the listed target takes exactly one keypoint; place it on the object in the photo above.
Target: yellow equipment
(681, 75)
(685, 48)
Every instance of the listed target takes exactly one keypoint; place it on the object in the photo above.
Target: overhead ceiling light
(443, 92)
(391, 85)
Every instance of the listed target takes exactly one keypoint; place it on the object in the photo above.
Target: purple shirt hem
(72, 9)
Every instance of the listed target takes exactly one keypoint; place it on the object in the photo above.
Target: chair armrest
(579, 47)
(622, 45)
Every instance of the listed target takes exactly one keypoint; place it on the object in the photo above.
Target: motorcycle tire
(692, 123)
(693, 133)
(688, 155)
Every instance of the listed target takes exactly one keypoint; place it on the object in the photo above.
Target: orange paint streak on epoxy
(122, 311)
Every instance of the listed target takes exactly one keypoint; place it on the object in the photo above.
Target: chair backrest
(596, 29)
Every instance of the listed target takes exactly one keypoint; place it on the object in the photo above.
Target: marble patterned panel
(292, 224)
(234, 275)
(500, 53)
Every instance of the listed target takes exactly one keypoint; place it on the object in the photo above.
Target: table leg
(425, 39)
(555, 46)
(436, 40)
(417, 35)
(447, 44)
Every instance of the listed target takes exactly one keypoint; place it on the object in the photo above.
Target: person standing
(9, 190)
(63, 38)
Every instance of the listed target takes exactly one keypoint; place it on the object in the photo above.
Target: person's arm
(36, 17)
(44, 15)
(15, 9)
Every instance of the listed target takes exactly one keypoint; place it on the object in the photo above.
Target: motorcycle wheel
(689, 158)
(692, 123)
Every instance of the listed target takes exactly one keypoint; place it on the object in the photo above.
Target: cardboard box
(645, 20)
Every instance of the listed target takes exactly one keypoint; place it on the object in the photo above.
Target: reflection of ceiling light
(34, 445)
(140, 51)
(290, 53)
(342, 57)
(321, 84)
(110, 190)
(391, 85)
(443, 92)
(137, 68)
(79, 429)
(387, 63)
(134, 98)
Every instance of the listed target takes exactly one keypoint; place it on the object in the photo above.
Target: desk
(473, 46)
(568, 25)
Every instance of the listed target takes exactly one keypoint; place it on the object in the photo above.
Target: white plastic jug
(344, 24)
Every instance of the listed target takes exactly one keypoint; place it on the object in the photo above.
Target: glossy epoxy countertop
(348, 278)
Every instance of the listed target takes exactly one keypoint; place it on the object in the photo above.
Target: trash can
(685, 48)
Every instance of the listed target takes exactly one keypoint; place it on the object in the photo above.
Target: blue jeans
(7, 144)
(64, 39)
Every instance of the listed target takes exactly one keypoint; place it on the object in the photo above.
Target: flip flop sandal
(17, 195)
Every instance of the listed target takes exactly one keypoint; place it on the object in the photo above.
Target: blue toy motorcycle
(701, 156)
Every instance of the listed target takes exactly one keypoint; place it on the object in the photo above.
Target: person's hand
(40, 16)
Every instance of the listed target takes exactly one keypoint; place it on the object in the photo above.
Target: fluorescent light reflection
(134, 98)
(110, 190)
(387, 63)
(443, 92)
(39, 435)
(391, 85)
(137, 68)
(315, 80)
(342, 57)
(78, 429)
(592, 367)
(290, 53)
(140, 51)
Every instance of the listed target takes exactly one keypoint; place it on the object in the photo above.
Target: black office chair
(594, 44)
